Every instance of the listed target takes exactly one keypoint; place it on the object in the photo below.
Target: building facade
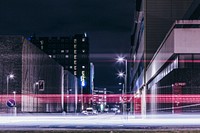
(174, 71)
(153, 21)
(72, 103)
(80, 64)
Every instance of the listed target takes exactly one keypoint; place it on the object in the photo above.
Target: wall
(36, 65)
(10, 62)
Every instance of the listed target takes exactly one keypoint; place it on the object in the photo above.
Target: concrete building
(175, 69)
(80, 61)
(71, 99)
(155, 22)
(37, 82)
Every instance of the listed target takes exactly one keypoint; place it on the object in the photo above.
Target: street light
(121, 99)
(36, 89)
(10, 76)
(15, 107)
(121, 59)
(122, 75)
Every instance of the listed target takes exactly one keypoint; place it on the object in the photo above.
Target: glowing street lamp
(15, 107)
(121, 59)
(10, 76)
(36, 89)
(121, 74)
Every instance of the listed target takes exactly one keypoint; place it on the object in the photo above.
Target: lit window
(42, 42)
(75, 68)
(75, 40)
(75, 51)
(62, 51)
(75, 46)
(75, 56)
(75, 73)
(83, 51)
(83, 66)
(83, 39)
(70, 67)
(50, 56)
(75, 62)
(66, 56)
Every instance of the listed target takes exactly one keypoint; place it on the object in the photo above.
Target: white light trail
(99, 120)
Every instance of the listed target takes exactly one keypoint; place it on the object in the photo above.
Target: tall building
(79, 63)
(70, 52)
(158, 53)
(57, 48)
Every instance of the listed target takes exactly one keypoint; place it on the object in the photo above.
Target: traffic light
(41, 85)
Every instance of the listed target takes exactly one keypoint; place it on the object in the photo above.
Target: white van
(91, 111)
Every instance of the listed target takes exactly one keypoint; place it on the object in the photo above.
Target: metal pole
(36, 87)
(125, 76)
(67, 100)
(15, 107)
(123, 109)
(125, 87)
(34, 96)
(81, 97)
(76, 98)
(14, 97)
(37, 97)
(7, 79)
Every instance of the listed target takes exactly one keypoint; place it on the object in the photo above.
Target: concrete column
(143, 102)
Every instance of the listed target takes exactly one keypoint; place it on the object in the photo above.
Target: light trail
(40, 121)
(109, 98)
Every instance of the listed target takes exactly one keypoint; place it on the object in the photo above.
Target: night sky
(108, 24)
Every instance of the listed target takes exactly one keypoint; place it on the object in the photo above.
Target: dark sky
(108, 24)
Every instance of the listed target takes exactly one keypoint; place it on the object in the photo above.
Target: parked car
(117, 112)
(106, 110)
(89, 111)
(84, 112)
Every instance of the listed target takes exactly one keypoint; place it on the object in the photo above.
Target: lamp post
(121, 99)
(10, 76)
(15, 107)
(123, 60)
(36, 88)
(124, 75)
(121, 74)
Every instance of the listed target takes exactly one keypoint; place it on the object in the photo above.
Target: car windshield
(89, 110)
